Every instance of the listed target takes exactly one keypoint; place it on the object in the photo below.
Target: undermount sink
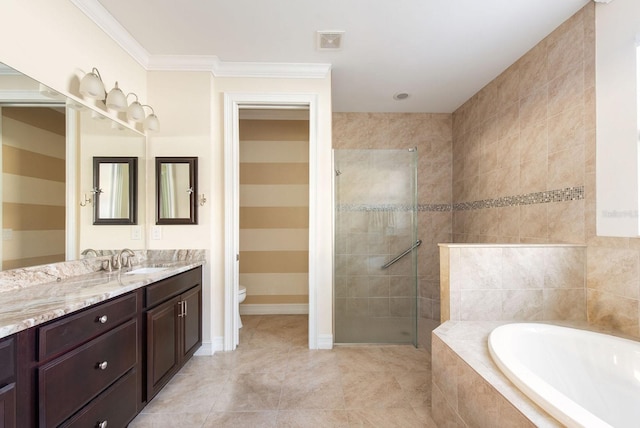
(145, 270)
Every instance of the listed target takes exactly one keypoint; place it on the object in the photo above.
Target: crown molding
(182, 63)
(237, 69)
(274, 70)
(107, 23)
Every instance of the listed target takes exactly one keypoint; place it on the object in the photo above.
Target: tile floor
(273, 380)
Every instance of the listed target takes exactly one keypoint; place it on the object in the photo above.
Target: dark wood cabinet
(173, 326)
(71, 381)
(163, 359)
(100, 365)
(8, 382)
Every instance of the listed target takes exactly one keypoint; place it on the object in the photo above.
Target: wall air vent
(329, 40)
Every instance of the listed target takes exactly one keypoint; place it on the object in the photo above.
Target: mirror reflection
(47, 149)
(115, 188)
(176, 188)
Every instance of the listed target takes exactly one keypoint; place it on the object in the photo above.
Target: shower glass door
(375, 222)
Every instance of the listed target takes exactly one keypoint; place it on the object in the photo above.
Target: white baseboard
(209, 348)
(275, 309)
(325, 341)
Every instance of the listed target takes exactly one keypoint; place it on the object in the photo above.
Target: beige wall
(431, 135)
(33, 186)
(274, 211)
(524, 167)
(53, 42)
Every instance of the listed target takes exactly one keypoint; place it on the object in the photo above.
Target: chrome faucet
(117, 259)
(89, 250)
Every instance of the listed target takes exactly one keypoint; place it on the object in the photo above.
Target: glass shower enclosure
(375, 277)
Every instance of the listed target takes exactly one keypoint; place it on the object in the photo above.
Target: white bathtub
(582, 378)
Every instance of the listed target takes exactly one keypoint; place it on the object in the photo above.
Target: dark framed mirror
(176, 190)
(115, 190)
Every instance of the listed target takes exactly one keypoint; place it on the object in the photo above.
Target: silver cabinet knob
(102, 319)
(103, 365)
(102, 424)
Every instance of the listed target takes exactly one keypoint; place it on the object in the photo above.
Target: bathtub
(582, 378)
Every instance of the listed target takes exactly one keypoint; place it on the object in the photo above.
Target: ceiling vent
(330, 40)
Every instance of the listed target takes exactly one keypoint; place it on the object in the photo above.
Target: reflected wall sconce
(92, 86)
(202, 200)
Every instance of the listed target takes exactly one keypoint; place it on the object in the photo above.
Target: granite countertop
(22, 308)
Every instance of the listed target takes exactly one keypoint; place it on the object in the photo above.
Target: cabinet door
(192, 322)
(8, 406)
(163, 358)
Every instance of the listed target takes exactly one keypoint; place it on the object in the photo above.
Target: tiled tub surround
(486, 285)
(468, 389)
(38, 294)
(515, 282)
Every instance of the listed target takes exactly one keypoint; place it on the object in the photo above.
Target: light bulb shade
(116, 99)
(135, 112)
(91, 86)
(151, 123)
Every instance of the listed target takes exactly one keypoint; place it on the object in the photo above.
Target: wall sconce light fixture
(92, 86)
(116, 99)
(135, 111)
(202, 200)
(151, 123)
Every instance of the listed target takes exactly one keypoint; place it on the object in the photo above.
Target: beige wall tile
(615, 271)
(565, 304)
(608, 310)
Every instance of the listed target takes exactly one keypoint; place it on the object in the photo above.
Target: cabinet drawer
(72, 380)
(170, 287)
(69, 332)
(116, 406)
(8, 406)
(7, 360)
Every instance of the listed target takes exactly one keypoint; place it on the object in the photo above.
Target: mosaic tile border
(558, 195)
(375, 207)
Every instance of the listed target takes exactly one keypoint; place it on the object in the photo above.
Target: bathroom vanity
(99, 365)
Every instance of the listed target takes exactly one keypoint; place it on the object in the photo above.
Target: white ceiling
(441, 52)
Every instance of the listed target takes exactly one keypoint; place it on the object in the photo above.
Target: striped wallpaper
(274, 211)
(33, 186)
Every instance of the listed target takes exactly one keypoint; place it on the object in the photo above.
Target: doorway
(274, 211)
(233, 105)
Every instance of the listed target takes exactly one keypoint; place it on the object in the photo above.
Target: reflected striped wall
(33, 186)
(274, 215)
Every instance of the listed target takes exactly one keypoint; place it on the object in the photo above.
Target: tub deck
(468, 389)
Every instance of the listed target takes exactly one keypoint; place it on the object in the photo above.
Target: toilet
(242, 294)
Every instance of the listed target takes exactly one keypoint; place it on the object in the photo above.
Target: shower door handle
(404, 253)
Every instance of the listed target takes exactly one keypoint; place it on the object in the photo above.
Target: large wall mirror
(115, 189)
(48, 144)
(176, 190)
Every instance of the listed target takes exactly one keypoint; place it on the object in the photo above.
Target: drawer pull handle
(102, 424)
(102, 319)
(103, 365)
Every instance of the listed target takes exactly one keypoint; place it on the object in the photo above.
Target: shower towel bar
(404, 253)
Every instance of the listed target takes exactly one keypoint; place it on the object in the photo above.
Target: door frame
(233, 102)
